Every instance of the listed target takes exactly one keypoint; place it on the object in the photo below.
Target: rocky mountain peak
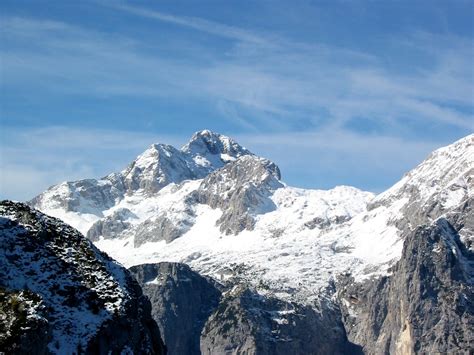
(158, 166)
(162, 164)
(441, 182)
(212, 150)
(155, 168)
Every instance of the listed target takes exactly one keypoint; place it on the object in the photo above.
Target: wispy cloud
(276, 81)
(270, 86)
(196, 23)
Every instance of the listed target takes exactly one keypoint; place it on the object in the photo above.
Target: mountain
(83, 202)
(59, 294)
(345, 254)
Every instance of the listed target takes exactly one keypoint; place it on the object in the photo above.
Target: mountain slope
(56, 287)
(200, 316)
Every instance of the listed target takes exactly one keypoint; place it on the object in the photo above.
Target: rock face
(426, 306)
(211, 151)
(23, 326)
(246, 322)
(181, 299)
(60, 294)
(241, 190)
(199, 316)
(112, 225)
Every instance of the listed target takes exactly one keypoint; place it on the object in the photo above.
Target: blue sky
(349, 92)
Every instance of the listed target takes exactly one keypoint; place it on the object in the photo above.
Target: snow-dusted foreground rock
(226, 213)
(60, 294)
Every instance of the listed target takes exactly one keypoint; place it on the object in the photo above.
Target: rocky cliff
(197, 315)
(426, 304)
(182, 301)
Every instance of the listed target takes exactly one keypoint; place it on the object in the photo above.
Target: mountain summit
(212, 150)
(157, 167)
(211, 169)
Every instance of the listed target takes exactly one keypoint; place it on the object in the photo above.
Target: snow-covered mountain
(226, 213)
(83, 202)
(290, 262)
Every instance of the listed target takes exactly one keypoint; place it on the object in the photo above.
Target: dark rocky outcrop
(426, 305)
(199, 316)
(60, 294)
(246, 322)
(182, 301)
(23, 325)
(134, 326)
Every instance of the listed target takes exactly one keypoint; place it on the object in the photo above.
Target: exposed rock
(181, 299)
(193, 321)
(111, 226)
(426, 306)
(134, 330)
(246, 322)
(83, 196)
(58, 288)
(163, 228)
(158, 166)
(241, 189)
(321, 223)
(210, 151)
